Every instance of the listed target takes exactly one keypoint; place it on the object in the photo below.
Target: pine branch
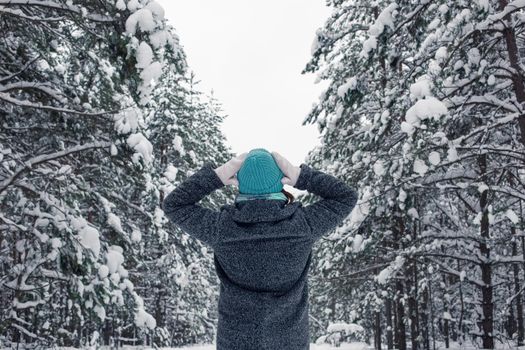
(48, 157)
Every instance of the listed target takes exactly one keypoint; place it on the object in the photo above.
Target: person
(262, 243)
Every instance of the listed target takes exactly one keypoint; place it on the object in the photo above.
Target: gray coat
(262, 253)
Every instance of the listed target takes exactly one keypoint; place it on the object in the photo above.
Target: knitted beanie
(259, 173)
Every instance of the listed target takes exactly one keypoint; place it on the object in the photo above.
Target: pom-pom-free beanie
(259, 173)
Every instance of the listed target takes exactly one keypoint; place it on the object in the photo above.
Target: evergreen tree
(420, 117)
(86, 254)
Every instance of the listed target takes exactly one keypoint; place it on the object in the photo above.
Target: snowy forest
(101, 117)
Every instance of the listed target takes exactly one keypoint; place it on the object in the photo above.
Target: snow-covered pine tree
(77, 166)
(183, 125)
(423, 115)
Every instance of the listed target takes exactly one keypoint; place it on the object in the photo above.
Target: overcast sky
(251, 53)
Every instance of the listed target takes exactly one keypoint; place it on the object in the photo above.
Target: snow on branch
(11, 76)
(23, 85)
(25, 103)
(51, 156)
(447, 269)
(58, 6)
(511, 7)
(20, 14)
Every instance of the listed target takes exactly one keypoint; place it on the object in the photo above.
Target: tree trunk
(400, 333)
(462, 311)
(412, 306)
(412, 296)
(425, 320)
(388, 316)
(517, 78)
(517, 288)
(377, 332)
(487, 324)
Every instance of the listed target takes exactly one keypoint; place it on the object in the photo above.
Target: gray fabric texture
(262, 253)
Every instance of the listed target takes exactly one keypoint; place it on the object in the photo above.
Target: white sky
(251, 53)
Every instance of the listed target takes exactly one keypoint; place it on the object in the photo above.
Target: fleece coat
(262, 253)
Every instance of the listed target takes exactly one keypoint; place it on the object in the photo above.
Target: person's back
(262, 246)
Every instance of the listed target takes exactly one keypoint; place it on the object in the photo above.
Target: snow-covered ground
(354, 346)
(364, 346)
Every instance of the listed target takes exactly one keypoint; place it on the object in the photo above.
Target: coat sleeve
(336, 203)
(180, 205)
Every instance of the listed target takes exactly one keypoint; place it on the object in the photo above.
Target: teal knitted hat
(259, 173)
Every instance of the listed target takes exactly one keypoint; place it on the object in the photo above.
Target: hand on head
(291, 172)
(227, 171)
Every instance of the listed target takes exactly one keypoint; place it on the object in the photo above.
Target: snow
(452, 154)
(127, 284)
(144, 55)
(477, 219)
(27, 304)
(159, 38)
(483, 4)
(349, 328)
(143, 319)
(133, 5)
(156, 9)
(368, 45)
(462, 275)
(100, 311)
(114, 258)
(512, 216)
(127, 121)
(423, 109)
(421, 88)
(360, 211)
(413, 213)
(313, 346)
(149, 77)
(402, 195)
(385, 274)
(177, 144)
(385, 18)
(171, 172)
(350, 84)
(114, 222)
(482, 187)
(55, 242)
(379, 168)
(88, 235)
(151, 72)
(120, 5)
(143, 19)
(136, 235)
(420, 167)
(434, 158)
(441, 54)
(142, 147)
(357, 243)
(103, 271)
(407, 128)
(474, 56)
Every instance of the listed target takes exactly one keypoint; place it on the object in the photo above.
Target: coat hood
(260, 210)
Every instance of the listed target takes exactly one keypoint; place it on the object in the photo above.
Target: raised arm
(336, 203)
(337, 198)
(180, 205)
